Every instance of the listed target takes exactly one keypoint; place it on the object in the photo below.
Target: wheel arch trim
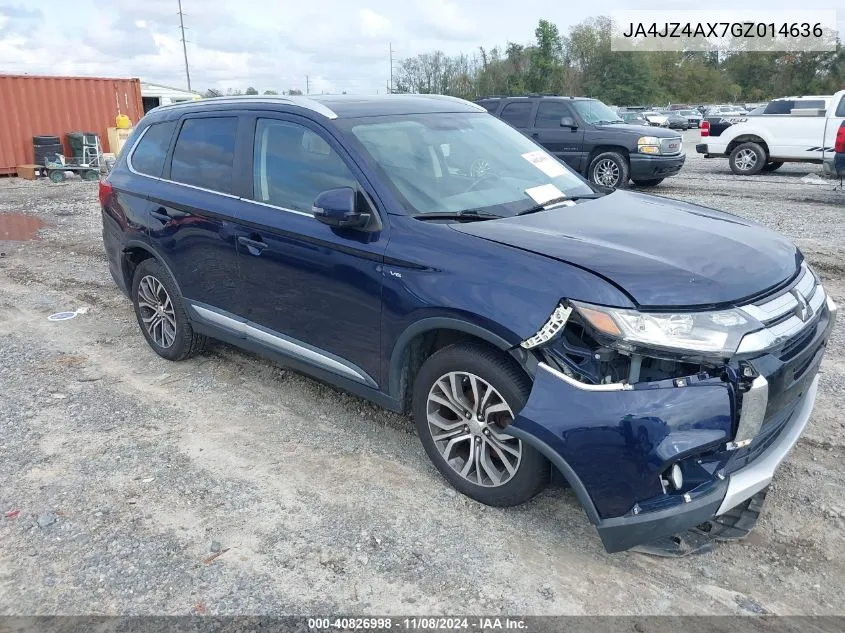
(430, 324)
(563, 467)
(137, 244)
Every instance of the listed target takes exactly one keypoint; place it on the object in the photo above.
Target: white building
(154, 95)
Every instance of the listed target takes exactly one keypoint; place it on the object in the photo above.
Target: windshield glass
(593, 111)
(451, 162)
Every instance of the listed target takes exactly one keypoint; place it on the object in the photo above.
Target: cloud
(443, 19)
(373, 24)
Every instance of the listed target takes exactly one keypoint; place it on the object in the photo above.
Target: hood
(637, 130)
(663, 253)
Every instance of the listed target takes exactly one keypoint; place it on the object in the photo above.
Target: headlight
(713, 333)
(648, 145)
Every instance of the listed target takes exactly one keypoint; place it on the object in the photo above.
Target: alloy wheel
(466, 418)
(157, 313)
(606, 172)
(745, 159)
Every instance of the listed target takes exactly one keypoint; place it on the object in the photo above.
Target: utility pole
(307, 86)
(184, 44)
(390, 85)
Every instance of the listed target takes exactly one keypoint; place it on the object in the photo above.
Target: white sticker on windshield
(545, 163)
(544, 193)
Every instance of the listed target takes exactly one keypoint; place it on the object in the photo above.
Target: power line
(184, 44)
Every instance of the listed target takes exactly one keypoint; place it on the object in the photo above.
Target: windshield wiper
(465, 215)
(554, 201)
(610, 122)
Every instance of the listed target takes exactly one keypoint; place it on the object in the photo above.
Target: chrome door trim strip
(284, 345)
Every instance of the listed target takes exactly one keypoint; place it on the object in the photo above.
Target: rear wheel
(609, 169)
(56, 175)
(773, 165)
(90, 175)
(747, 159)
(465, 397)
(651, 182)
(161, 313)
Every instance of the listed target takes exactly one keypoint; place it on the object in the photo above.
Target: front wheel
(651, 182)
(747, 159)
(465, 397)
(609, 169)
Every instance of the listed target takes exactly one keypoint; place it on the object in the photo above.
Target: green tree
(251, 91)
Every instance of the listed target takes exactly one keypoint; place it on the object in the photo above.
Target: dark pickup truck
(592, 139)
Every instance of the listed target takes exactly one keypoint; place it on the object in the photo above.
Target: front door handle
(254, 246)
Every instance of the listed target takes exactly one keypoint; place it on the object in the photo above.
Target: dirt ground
(228, 485)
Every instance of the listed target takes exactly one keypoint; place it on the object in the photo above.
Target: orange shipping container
(53, 106)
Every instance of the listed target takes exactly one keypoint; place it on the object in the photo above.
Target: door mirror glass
(338, 207)
(569, 122)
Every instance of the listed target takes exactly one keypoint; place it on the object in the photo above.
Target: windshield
(689, 112)
(593, 111)
(452, 162)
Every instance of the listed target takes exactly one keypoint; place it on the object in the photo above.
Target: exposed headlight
(648, 145)
(715, 333)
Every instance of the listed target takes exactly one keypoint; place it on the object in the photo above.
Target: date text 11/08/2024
(418, 624)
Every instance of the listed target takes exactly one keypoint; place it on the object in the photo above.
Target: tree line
(581, 63)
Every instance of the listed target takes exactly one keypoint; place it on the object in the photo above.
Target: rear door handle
(252, 245)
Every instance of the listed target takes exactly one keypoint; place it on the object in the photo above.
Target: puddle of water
(18, 227)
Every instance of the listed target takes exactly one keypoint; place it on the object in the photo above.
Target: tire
(747, 159)
(608, 164)
(172, 336)
(528, 470)
(773, 165)
(56, 175)
(90, 175)
(46, 140)
(651, 182)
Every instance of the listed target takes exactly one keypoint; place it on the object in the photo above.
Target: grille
(770, 431)
(789, 318)
(670, 146)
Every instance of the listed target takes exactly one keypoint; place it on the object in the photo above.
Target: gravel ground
(229, 485)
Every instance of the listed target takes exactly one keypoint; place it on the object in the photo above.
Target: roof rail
(454, 99)
(302, 102)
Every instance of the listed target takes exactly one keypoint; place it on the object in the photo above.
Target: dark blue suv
(657, 356)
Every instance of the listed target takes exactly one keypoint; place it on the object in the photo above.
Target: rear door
(313, 291)
(193, 207)
(520, 114)
(564, 142)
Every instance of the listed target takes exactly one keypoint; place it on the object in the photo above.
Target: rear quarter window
(148, 157)
(204, 154)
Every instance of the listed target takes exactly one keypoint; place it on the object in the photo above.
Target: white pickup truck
(763, 143)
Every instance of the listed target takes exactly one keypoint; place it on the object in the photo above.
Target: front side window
(451, 162)
(595, 112)
(204, 154)
(293, 165)
(549, 114)
(518, 113)
(148, 157)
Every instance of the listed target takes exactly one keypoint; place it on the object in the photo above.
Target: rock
(325, 559)
(58, 396)
(46, 520)
(215, 546)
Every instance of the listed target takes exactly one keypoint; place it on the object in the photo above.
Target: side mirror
(338, 208)
(569, 122)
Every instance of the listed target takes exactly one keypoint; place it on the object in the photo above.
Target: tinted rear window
(491, 105)
(518, 113)
(205, 153)
(148, 157)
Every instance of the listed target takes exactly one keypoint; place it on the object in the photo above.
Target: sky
(340, 45)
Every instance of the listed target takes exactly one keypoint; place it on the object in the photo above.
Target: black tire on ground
(609, 169)
(747, 159)
(185, 341)
(651, 182)
(90, 175)
(499, 371)
(773, 165)
(56, 175)
(46, 140)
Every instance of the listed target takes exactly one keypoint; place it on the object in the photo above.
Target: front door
(314, 289)
(563, 141)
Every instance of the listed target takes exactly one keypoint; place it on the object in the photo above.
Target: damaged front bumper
(614, 443)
